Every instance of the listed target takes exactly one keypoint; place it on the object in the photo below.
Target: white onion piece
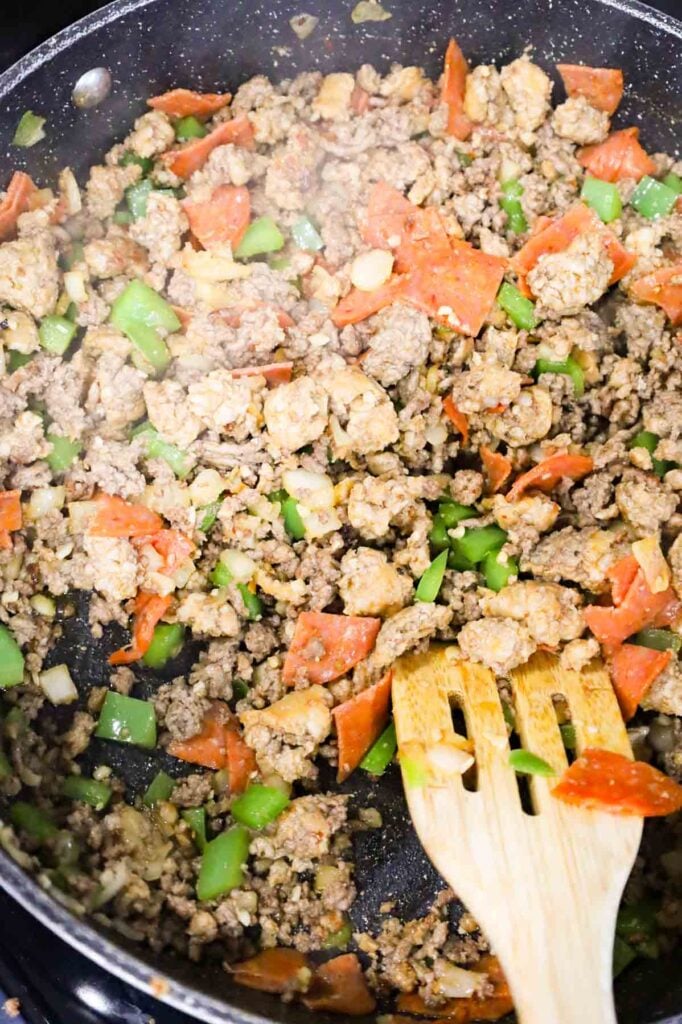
(74, 284)
(58, 686)
(239, 565)
(314, 490)
(44, 500)
(303, 24)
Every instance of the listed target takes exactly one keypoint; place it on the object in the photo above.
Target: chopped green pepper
(5, 766)
(509, 715)
(657, 639)
(477, 542)
(196, 819)
(430, 583)
(222, 863)
(240, 688)
(498, 573)
(623, 955)
(137, 197)
(122, 217)
(674, 182)
(452, 513)
(519, 309)
(220, 575)
(653, 199)
(17, 359)
(259, 805)
(63, 453)
(189, 128)
(465, 160)
(74, 255)
(381, 753)
(160, 788)
(568, 735)
(438, 535)
(32, 820)
(31, 129)
(603, 198)
(252, 603)
(144, 162)
(569, 367)
(415, 772)
(293, 523)
(306, 235)
(11, 661)
(525, 763)
(157, 448)
(456, 560)
(261, 236)
(636, 924)
(56, 334)
(510, 202)
(647, 439)
(167, 642)
(340, 938)
(127, 720)
(88, 791)
(139, 312)
(210, 514)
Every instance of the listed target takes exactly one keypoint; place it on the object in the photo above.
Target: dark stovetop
(67, 988)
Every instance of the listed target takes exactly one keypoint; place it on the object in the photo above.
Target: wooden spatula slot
(461, 729)
(544, 887)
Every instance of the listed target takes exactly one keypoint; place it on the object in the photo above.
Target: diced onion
(314, 490)
(81, 514)
(457, 983)
(214, 266)
(74, 283)
(240, 566)
(369, 10)
(652, 563)
(325, 876)
(206, 487)
(371, 269)
(436, 434)
(70, 191)
(318, 523)
(447, 758)
(44, 605)
(58, 686)
(44, 500)
(303, 24)
(21, 333)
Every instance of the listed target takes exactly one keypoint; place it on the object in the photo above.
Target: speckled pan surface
(150, 45)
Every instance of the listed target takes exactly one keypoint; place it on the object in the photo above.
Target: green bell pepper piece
(262, 235)
(210, 514)
(167, 642)
(458, 561)
(30, 129)
(157, 448)
(252, 603)
(623, 955)
(189, 128)
(220, 575)
(603, 198)
(497, 573)
(674, 182)
(569, 367)
(240, 688)
(293, 523)
(306, 235)
(438, 535)
(32, 820)
(145, 162)
(15, 359)
(56, 334)
(222, 863)
(452, 513)
(519, 309)
(647, 439)
(430, 583)
(340, 938)
(568, 735)
(123, 218)
(636, 924)
(139, 312)
(510, 202)
(653, 199)
(258, 806)
(477, 542)
(137, 197)
(525, 763)
(657, 639)
(87, 791)
(160, 788)
(381, 753)
(127, 720)
(196, 819)
(11, 660)
(63, 453)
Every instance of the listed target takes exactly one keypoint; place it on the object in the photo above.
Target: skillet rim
(25, 888)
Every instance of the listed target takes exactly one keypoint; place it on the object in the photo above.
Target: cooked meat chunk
(550, 613)
(579, 122)
(29, 276)
(500, 644)
(400, 342)
(287, 735)
(370, 585)
(296, 414)
(565, 282)
(644, 503)
(528, 89)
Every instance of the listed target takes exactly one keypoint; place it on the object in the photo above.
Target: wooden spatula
(545, 888)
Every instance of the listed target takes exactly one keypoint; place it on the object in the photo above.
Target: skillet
(153, 45)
